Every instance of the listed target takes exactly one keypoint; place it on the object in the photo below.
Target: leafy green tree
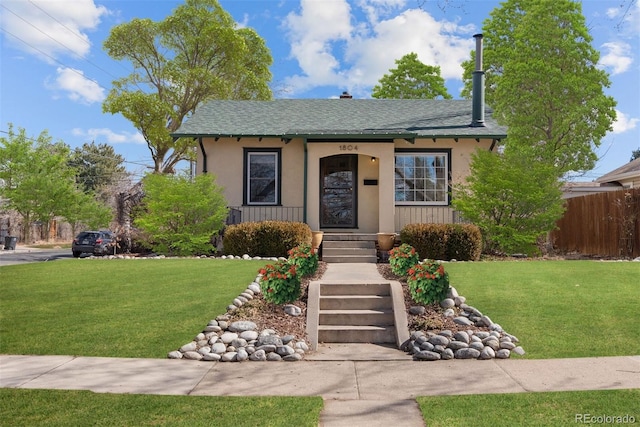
(635, 154)
(179, 215)
(513, 199)
(39, 183)
(543, 82)
(14, 154)
(87, 211)
(193, 55)
(411, 79)
(98, 166)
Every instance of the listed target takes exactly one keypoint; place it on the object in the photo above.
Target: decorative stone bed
(453, 330)
(463, 333)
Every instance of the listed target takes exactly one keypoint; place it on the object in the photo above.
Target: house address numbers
(347, 147)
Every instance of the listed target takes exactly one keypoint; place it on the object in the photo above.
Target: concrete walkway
(356, 392)
(377, 387)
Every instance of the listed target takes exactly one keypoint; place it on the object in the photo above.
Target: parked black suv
(94, 242)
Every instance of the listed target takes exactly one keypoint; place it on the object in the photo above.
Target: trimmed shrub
(429, 240)
(275, 238)
(464, 242)
(265, 238)
(238, 239)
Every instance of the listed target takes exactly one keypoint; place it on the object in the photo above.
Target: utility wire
(146, 165)
(75, 33)
(54, 59)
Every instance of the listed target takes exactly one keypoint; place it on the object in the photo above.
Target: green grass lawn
(84, 408)
(558, 308)
(531, 409)
(115, 308)
(146, 308)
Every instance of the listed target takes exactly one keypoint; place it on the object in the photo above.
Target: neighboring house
(361, 165)
(579, 189)
(626, 176)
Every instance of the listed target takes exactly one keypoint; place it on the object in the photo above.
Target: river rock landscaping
(253, 329)
(452, 329)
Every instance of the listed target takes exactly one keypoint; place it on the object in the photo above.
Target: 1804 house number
(349, 147)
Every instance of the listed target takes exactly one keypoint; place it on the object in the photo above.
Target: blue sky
(54, 73)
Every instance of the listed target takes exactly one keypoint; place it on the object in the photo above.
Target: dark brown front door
(338, 191)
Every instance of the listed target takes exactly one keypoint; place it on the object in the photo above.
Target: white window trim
(446, 156)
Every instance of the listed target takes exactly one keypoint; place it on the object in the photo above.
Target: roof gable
(626, 171)
(288, 118)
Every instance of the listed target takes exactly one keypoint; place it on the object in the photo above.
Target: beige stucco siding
(376, 209)
(225, 159)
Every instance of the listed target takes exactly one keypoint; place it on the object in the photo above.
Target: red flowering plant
(402, 258)
(305, 258)
(280, 283)
(428, 282)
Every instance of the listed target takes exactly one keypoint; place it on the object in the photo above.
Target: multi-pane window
(262, 177)
(422, 178)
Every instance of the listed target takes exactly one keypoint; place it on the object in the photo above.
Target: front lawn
(533, 409)
(84, 408)
(558, 308)
(115, 308)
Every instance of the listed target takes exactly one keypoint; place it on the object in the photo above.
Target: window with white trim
(422, 178)
(262, 177)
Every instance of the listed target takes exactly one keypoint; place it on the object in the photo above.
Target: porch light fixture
(373, 160)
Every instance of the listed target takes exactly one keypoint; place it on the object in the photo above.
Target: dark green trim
(245, 178)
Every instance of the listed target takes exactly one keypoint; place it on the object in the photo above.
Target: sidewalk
(355, 392)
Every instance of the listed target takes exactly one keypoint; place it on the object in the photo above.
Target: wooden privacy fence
(604, 224)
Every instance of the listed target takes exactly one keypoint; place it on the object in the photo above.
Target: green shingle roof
(326, 118)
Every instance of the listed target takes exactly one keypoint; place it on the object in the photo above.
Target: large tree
(97, 166)
(411, 79)
(195, 54)
(543, 81)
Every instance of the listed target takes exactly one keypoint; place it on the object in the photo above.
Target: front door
(338, 191)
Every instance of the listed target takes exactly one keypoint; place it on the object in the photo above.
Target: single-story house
(343, 165)
(626, 176)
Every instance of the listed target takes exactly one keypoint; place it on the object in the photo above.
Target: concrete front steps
(356, 312)
(349, 247)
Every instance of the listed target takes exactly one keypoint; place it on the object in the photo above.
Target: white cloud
(614, 12)
(77, 87)
(100, 134)
(624, 123)
(618, 57)
(51, 29)
(333, 48)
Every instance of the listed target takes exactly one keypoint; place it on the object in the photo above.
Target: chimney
(345, 95)
(477, 109)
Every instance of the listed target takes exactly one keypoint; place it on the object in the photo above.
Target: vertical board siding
(269, 213)
(604, 224)
(405, 215)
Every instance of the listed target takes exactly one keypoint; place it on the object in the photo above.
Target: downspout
(304, 182)
(477, 101)
(204, 156)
